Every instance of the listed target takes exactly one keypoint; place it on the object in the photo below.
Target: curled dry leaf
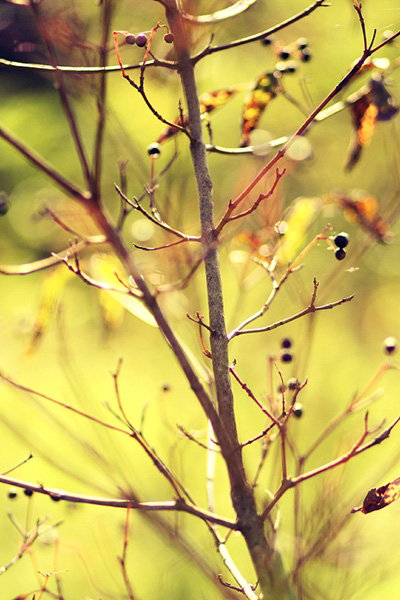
(209, 101)
(362, 208)
(264, 89)
(367, 106)
(378, 498)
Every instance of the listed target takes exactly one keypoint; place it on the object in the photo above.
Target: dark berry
(4, 204)
(141, 40)
(340, 254)
(12, 493)
(280, 67)
(267, 41)
(287, 357)
(291, 66)
(28, 493)
(55, 497)
(130, 39)
(305, 55)
(341, 240)
(286, 343)
(169, 38)
(302, 43)
(154, 150)
(293, 384)
(285, 53)
(298, 410)
(390, 345)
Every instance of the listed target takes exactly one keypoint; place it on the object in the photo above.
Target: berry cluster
(341, 240)
(141, 39)
(298, 50)
(286, 356)
(12, 493)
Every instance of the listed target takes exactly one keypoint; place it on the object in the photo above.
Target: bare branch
(45, 263)
(259, 36)
(178, 505)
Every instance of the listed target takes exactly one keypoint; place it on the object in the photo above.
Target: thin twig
(310, 309)
(72, 121)
(178, 505)
(122, 559)
(227, 217)
(306, 124)
(259, 36)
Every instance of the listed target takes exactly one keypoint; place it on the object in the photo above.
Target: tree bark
(267, 563)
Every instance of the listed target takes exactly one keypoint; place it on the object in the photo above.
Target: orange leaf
(370, 104)
(263, 91)
(362, 208)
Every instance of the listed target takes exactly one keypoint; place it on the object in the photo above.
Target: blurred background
(64, 339)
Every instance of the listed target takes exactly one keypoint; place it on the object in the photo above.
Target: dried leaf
(51, 292)
(362, 208)
(263, 91)
(378, 498)
(208, 102)
(370, 104)
(302, 215)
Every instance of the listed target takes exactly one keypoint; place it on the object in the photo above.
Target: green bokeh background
(339, 351)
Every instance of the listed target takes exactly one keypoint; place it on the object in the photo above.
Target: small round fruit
(287, 357)
(169, 38)
(390, 345)
(341, 240)
(306, 55)
(298, 410)
(28, 493)
(285, 53)
(280, 67)
(154, 150)
(267, 41)
(12, 493)
(130, 39)
(286, 67)
(286, 343)
(340, 253)
(55, 497)
(302, 43)
(141, 40)
(293, 384)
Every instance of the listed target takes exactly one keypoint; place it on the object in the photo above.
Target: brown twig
(368, 51)
(178, 505)
(72, 121)
(228, 216)
(244, 387)
(135, 204)
(259, 36)
(122, 559)
(357, 448)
